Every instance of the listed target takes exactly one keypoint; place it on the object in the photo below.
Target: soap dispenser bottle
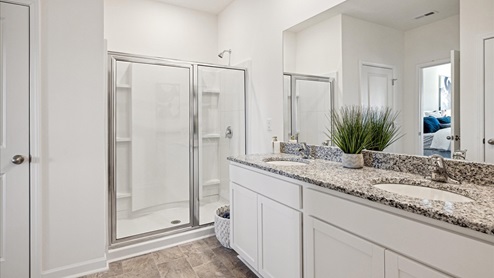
(275, 145)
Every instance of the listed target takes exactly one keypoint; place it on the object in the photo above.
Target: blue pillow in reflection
(444, 120)
(431, 124)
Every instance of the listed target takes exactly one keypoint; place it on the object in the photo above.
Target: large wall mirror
(399, 54)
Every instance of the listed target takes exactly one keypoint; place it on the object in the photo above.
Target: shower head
(223, 53)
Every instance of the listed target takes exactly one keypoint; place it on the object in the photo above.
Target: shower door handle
(229, 132)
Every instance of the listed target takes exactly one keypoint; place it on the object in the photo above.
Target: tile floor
(204, 258)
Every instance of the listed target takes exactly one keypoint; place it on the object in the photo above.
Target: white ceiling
(209, 6)
(397, 14)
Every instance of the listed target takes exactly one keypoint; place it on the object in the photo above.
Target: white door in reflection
(489, 100)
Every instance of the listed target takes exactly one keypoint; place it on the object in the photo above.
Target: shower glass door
(221, 94)
(307, 102)
(151, 133)
(171, 127)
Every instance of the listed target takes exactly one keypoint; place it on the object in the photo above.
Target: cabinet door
(243, 211)
(331, 252)
(398, 266)
(280, 240)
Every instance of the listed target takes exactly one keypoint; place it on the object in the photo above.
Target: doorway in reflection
(436, 106)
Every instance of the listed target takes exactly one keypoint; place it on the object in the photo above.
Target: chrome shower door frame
(113, 58)
(294, 77)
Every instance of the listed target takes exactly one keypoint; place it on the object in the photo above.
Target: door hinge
(393, 81)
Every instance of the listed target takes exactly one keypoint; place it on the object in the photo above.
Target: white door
(455, 101)
(331, 252)
(376, 86)
(14, 140)
(280, 240)
(489, 99)
(400, 267)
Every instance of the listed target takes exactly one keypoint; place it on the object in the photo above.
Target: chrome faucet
(460, 154)
(440, 171)
(304, 151)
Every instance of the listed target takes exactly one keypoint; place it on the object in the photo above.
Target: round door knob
(18, 159)
(491, 141)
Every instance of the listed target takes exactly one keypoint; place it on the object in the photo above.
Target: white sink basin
(422, 192)
(286, 163)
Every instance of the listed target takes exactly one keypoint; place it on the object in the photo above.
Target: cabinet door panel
(279, 240)
(400, 267)
(244, 223)
(331, 252)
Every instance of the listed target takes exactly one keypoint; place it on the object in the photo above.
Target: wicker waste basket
(222, 225)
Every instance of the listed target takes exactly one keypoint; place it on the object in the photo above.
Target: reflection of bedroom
(436, 105)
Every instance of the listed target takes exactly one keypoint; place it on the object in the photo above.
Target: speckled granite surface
(466, 171)
(477, 215)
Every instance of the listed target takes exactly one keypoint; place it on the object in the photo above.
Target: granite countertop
(477, 215)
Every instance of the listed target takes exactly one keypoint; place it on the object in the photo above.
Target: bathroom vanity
(315, 218)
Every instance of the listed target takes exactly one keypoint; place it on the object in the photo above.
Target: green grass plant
(351, 131)
(383, 128)
(355, 128)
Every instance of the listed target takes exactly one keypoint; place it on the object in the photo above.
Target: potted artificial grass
(356, 128)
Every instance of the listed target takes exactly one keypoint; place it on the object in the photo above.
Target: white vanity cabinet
(331, 252)
(266, 223)
(356, 233)
(398, 266)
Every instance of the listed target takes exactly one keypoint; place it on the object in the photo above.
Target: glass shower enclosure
(308, 99)
(171, 126)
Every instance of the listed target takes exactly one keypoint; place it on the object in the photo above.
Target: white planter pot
(353, 161)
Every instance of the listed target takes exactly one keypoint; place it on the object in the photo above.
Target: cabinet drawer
(282, 191)
(443, 250)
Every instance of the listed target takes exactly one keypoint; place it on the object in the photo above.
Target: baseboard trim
(78, 269)
(158, 244)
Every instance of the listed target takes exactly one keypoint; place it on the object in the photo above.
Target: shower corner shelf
(211, 182)
(124, 86)
(123, 139)
(211, 91)
(211, 136)
(123, 195)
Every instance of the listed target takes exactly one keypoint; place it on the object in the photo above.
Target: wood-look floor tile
(142, 266)
(242, 271)
(194, 246)
(212, 242)
(214, 269)
(167, 255)
(179, 268)
(197, 258)
(227, 256)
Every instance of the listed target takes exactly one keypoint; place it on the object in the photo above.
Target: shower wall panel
(160, 135)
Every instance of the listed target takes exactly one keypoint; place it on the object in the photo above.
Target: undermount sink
(422, 192)
(285, 162)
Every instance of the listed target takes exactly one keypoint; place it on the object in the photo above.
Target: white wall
(365, 41)
(476, 20)
(428, 43)
(153, 28)
(73, 134)
(253, 29)
(317, 49)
